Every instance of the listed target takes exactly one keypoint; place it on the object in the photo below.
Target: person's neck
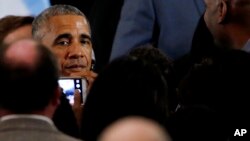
(46, 113)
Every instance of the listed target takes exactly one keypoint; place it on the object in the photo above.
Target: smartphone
(69, 84)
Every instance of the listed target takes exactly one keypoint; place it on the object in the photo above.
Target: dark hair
(128, 86)
(28, 88)
(156, 57)
(11, 23)
(214, 95)
(220, 83)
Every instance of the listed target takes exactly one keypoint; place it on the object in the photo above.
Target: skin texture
(211, 13)
(17, 53)
(22, 32)
(24, 53)
(214, 16)
(134, 129)
(69, 39)
(228, 21)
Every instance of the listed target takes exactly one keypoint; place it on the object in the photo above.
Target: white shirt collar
(31, 116)
(247, 46)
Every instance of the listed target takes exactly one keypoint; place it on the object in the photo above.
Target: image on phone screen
(69, 85)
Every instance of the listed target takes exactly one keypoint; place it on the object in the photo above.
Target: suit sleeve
(135, 27)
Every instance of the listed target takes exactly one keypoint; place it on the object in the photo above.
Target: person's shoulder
(65, 137)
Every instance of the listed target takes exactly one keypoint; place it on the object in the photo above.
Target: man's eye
(85, 42)
(63, 43)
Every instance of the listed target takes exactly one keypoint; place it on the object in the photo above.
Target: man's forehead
(76, 20)
(68, 24)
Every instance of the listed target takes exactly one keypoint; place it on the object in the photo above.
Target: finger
(84, 74)
(93, 74)
(90, 82)
(77, 98)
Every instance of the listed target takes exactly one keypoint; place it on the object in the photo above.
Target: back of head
(29, 76)
(128, 86)
(214, 95)
(134, 129)
(153, 55)
(156, 57)
(40, 22)
(221, 84)
(9, 24)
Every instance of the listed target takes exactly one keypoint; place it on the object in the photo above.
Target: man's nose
(75, 51)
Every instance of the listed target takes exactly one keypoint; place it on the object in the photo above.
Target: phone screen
(70, 84)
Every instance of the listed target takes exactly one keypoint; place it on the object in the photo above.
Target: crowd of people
(173, 71)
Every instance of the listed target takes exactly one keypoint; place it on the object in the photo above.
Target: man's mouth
(75, 67)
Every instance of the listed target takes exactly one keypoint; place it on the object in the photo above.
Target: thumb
(77, 98)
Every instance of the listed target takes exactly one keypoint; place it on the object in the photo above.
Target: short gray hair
(39, 24)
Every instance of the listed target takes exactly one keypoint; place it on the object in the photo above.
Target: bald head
(134, 129)
(22, 52)
(25, 66)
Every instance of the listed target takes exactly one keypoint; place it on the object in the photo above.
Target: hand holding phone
(70, 84)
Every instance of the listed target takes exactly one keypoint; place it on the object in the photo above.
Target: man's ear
(223, 9)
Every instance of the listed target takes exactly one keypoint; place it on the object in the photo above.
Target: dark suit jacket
(104, 19)
(27, 129)
(176, 19)
(202, 47)
(64, 118)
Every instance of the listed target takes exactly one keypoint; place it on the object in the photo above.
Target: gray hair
(39, 24)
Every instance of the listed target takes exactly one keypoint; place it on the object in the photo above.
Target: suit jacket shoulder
(31, 130)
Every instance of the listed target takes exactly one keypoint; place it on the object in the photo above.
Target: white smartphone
(69, 84)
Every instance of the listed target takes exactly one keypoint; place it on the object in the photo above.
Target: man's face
(69, 38)
(210, 15)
